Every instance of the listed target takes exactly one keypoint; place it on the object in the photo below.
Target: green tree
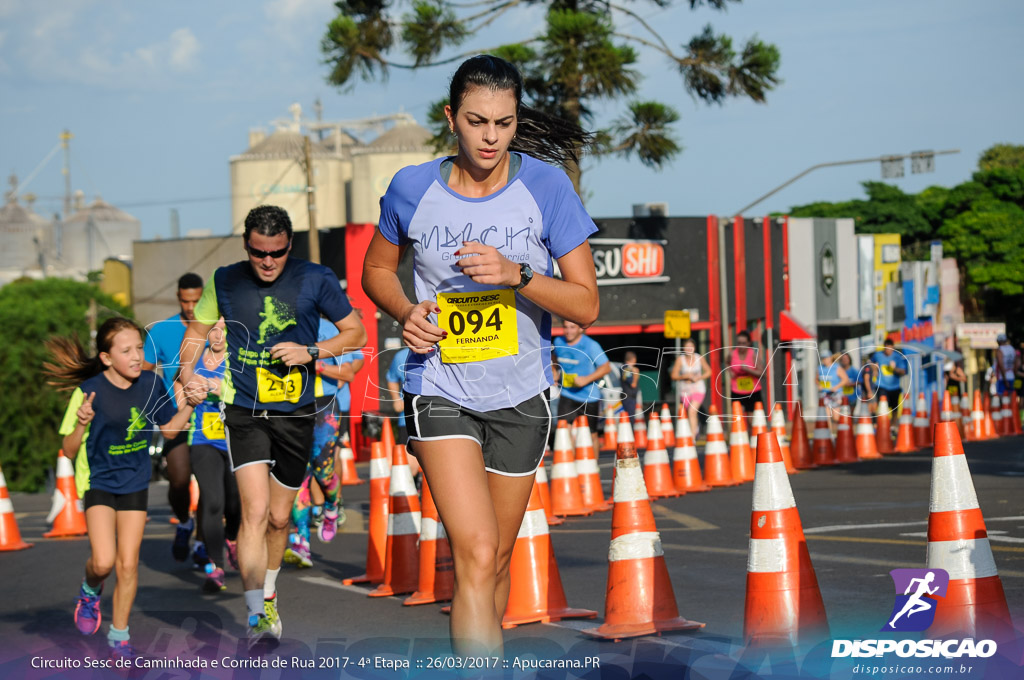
(583, 54)
(30, 410)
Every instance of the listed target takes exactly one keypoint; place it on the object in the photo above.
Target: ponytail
(549, 138)
(72, 365)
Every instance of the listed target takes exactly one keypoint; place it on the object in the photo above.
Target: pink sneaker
(232, 550)
(329, 527)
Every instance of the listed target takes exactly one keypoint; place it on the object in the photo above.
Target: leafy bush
(30, 410)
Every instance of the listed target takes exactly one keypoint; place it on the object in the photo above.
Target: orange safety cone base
(973, 608)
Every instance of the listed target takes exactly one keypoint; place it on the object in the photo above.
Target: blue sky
(160, 95)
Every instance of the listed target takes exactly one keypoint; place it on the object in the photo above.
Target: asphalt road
(860, 521)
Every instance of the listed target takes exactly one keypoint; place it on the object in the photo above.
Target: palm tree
(582, 55)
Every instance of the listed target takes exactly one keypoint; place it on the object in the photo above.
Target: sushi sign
(624, 261)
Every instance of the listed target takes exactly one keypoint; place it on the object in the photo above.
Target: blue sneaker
(180, 549)
(199, 555)
(123, 650)
(87, 611)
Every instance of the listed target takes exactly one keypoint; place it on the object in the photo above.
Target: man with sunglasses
(272, 306)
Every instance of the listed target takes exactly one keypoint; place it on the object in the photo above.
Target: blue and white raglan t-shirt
(498, 350)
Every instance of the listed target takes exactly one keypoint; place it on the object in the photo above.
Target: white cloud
(184, 48)
(291, 10)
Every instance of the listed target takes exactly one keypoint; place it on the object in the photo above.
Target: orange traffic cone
(10, 537)
(974, 604)
(717, 466)
(997, 415)
(783, 599)
(639, 599)
(437, 569)
(989, 431)
(864, 439)
(922, 425)
(779, 430)
(541, 479)
(739, 446)
(1007, 419)
(566, 497)
(883, 429)
(846, 449)
(193, 495)
(798, 446)
(965, 415)
(824, 450)
(657, 472)
(66, 514)
(401, 557)
(377, 539)
(758, 426)
(976, 426)
(587, 471)
(934, 415)
(667, 431)
(685, 466)
(610, 430)
(948, 413)
(639, 430)
(347, 463)
(905, 435)
(535, 590)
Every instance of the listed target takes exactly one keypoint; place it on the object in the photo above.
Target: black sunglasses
(260, 254)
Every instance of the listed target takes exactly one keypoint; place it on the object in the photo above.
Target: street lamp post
(892, 167)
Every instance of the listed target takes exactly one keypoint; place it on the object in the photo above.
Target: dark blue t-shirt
(114, 456)
(259, 315)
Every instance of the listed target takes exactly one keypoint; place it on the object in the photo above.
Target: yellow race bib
(271, 388)
(213, 426)
(824, 385)
(568, 380)
(887, 370)
(849, 390)
(481, 325)
(745, 384)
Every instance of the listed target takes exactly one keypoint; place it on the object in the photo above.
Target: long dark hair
(71, 363)
(538, 134)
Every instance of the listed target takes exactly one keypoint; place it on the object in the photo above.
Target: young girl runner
(107, 428)
(220, 510)
(485, 228)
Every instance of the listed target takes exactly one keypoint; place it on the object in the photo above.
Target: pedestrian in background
(746, 365)
(629, 377)
(689, 371)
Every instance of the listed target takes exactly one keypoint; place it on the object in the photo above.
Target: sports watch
(525, 276)
(314, 351)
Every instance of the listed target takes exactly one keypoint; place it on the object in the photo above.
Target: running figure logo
(137, 424)
(276, 317)
(914, 609)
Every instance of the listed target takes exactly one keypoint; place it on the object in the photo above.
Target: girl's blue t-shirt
(114, 455)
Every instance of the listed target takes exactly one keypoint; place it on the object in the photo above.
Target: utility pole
(314, 235)
(65, 137)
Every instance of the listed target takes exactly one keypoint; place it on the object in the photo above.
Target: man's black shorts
(137, 500)
(512, 439)
(277, 438)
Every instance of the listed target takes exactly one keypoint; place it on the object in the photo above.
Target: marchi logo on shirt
(137, 424)
(276, 316)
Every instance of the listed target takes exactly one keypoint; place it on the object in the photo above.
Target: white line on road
(332, 583)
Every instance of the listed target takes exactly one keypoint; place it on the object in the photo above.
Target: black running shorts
(279, 439)
(512, 439)
(138, 500)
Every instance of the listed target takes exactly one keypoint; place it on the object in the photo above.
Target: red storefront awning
(791, 329)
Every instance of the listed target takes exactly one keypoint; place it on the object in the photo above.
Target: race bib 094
(481, 325)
